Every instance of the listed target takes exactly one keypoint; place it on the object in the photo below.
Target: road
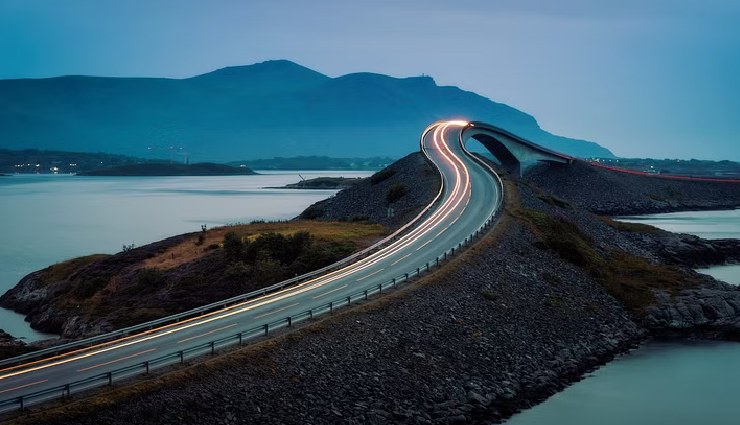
(469, 196)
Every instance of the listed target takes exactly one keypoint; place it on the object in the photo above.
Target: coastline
(510, 323)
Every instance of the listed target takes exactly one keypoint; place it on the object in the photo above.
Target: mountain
(274, 108)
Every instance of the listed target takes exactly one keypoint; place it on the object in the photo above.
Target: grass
(629, 278)
(360, 234)
(555, 201)
(65, 269)
(629, 227)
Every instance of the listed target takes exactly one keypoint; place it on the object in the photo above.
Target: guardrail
(179, 357)
(108, 378)
(218, 305)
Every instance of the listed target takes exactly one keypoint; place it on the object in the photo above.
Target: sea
(47, 219)
(676, 383)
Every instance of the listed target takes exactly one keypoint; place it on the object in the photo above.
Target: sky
(644, 78)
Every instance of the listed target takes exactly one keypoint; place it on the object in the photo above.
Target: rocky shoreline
(511, 321)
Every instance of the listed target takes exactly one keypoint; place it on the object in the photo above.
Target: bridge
(515, 154)
(470, 196)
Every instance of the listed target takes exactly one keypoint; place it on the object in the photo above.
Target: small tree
(233, 247)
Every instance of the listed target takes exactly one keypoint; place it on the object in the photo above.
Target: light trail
(461, 191)
(116, 360)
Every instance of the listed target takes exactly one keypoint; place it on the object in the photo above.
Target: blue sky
(657, 78)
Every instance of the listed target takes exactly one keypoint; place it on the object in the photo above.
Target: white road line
(276, 311)
(371, 274)
(116, 360)
(211, 332)
(330, 292)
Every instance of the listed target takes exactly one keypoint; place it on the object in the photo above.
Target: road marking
(212, 331)
(332, 291)
(448, 207)
(402, 258)
(371, 274)
(23, 386)
(117, 360)
(276, 311)
(425, 244)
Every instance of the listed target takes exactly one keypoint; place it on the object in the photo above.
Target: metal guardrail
(179, 357)
(218, 305)
(108, 378)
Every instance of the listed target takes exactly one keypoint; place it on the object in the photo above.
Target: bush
(396, 192)
(88, 288)
(382, 175)
(237, 270)
(150, 280)
(233, 247)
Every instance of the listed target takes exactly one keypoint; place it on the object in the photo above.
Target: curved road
(469, 196)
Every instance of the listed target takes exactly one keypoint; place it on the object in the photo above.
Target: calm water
(47, 219)
(708, 225)
(659, 383)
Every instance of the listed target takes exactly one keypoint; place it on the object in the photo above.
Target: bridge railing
(67, 390)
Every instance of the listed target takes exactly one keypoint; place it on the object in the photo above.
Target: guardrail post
(437, 261)
(290, 321)
(20, 402)
(406, 276)
(452, 252)
(365, 294)
(267, 328)
(110, 378)
(427, 265)
(418, 271)
(241, 337)
(182, 356)
(445, 256)
(393, 282)
(349, 300)
(213, 347)
(331, 306)
(146, 367)
(310, 314)
(380, 286)
(67, 390)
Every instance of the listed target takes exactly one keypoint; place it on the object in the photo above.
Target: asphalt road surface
(469, 196)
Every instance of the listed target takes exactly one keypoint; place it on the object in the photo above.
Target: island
(323, 183)
(169, 169)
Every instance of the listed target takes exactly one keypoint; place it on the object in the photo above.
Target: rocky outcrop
(508, 323)
(702, 313)
(369, 199)
(613, 193)
(503, 327)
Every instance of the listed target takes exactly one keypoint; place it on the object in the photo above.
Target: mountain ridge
(273, 108)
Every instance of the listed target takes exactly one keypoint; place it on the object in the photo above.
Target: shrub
(88, 288)
(150, 280)
(396, 192)
(237, 270)
(233, 246)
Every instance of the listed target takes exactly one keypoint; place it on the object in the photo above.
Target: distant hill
(167, 169)
(316, 163)
(274, 108)
(34, 161)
